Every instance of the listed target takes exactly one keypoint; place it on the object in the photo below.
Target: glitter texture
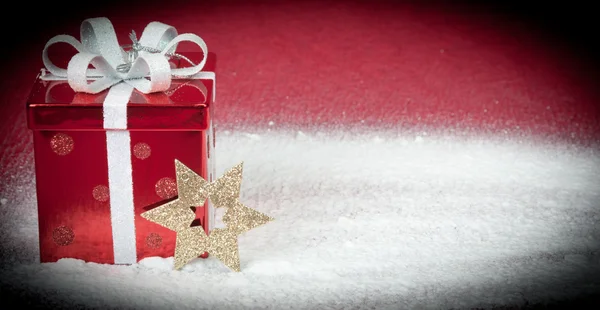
(166, 188)
(240, 219)
(114, 108)
(101, 193)
(141, 150)
(177, 215)
(222, 243)
(62, 144)
(174, 215)
(191, 187)
(225, 191)
(63, 235)
(154, 240)
(191, 242)
(120, 185)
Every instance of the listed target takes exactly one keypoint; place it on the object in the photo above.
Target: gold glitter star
(193, 241)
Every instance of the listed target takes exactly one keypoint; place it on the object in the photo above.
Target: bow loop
(156, 68)
(78, 72)
(157, 35)
(54, 69)
(98, 36)
(189, 37)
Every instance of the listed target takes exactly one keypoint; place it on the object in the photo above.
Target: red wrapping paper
(72, 170)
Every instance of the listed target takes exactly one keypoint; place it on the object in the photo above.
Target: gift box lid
(53, 105)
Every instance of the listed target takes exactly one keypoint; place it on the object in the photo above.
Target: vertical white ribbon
(120, 178)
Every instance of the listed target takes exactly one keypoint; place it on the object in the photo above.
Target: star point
(191, 242)
(223, 245)
(174, 215)
(241, 218)
(224, 191)
(191, 187)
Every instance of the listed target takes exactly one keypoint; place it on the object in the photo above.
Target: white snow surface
(361, 221)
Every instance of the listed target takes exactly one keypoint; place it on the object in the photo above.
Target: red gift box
(76, 215)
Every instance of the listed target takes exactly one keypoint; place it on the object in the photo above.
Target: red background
(347, 64)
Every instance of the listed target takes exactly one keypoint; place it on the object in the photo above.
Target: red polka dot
(154, 240)
(166, 188)
(63, 235)
(101, 193)
(62, 144)
(141, 150)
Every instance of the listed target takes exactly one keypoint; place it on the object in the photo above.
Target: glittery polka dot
(62, 144)
(101, 193)
(166, 188)
(154, 240)
(63, 235)
(141, 150)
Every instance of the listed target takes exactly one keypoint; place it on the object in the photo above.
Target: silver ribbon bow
(145, 67)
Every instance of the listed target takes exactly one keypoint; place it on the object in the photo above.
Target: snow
(376, 220)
